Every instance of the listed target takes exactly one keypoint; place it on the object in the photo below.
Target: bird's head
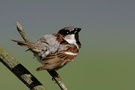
(71, 35)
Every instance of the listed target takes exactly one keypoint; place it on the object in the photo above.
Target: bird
(55, 50)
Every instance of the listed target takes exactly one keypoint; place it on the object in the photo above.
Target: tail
(21, 43)
(29, 45)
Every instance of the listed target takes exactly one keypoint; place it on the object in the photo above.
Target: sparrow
(55, 50)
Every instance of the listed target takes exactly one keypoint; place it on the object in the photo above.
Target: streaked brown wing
(59, 59)
(55, 61)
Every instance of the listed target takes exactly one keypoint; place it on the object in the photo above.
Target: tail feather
(21, 43)
(31, 46)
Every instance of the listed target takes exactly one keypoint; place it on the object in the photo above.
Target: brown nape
(61, 39)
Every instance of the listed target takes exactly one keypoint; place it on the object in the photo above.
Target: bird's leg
(54, 74)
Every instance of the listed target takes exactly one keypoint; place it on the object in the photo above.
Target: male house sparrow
(55, 50)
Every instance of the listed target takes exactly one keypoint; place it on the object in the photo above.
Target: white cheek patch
(70, 39)
(70, 53)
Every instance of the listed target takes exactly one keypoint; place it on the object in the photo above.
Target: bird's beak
(78, 29)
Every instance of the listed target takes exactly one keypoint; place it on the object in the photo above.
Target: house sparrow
(55, 50)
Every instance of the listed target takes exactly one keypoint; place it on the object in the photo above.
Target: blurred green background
(107, 58)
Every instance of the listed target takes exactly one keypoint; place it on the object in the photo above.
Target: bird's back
(48, 44)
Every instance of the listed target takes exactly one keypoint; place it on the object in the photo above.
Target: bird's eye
(64, 32)
(67, 32)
